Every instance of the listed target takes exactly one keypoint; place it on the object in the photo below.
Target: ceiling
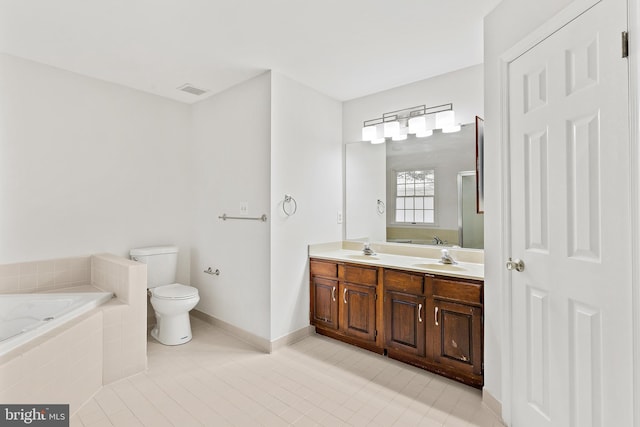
(343, 48)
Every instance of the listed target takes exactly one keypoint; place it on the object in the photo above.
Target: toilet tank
(162, 263)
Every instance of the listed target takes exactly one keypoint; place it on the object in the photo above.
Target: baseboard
(253, 340)
(492, 403)
(291, 338)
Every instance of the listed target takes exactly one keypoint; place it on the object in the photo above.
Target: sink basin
(362, 257)
(443, 267)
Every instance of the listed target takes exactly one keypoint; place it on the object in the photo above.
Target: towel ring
(287, 207)
(381, 207)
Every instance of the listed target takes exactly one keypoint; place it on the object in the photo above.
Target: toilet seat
(175, 291)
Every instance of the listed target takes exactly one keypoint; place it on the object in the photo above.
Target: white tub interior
(26, 316)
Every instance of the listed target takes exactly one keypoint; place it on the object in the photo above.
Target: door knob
(516, 264)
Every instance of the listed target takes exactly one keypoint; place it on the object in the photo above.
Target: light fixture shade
(402, 135)
(445, 119)
(391, 129)
(368, 133)
(417, 124)
(451, 129)
(424, 134)
(431, 121)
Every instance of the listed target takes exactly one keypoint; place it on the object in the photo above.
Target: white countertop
(426, 262)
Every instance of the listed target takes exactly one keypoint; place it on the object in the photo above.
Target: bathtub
(24, 317)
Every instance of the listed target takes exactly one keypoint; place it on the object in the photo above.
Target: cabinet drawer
(403, 282)
(361, 275)
(457, 291)
(321, 268)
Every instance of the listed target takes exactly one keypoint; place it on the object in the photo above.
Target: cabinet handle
(419, 313)
(333, 294)
(344, 295)
(436, 315)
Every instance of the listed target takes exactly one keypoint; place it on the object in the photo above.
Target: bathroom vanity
(403, 303)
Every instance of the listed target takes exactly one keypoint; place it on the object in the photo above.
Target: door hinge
(375, 297)
(375, 334)
(625, 44)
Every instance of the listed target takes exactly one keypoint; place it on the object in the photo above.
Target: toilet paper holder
(215, 272)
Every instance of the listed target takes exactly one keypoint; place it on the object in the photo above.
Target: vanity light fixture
(403, 132)
(447, 122)
(420, 121)
(391, 129)
(374, 132)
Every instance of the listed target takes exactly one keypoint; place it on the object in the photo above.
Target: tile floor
(217, 380)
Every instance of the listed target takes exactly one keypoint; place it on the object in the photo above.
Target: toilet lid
(175, 291)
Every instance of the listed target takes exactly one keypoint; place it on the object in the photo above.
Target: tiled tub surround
(71, 362)
(44, 276)
(125, 321)
(403, 256)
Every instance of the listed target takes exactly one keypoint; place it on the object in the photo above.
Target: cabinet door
(404, 322)
(358, 311)
(324, 302)
(458, 336)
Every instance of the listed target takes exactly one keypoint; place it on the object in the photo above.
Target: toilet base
(172, 330)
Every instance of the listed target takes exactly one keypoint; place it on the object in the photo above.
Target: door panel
(358, 311)
(570, 216)
(405, 322)
(458, 337)
(324, 304)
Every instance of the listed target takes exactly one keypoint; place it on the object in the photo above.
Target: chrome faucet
(445, 258)
(367, 250)
(437, 240)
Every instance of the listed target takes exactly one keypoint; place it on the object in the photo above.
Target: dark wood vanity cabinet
(430, 321)
(344, 302)
(457, 340)
(404, 311)
(358, 311)
(458, 330)
(323, 297)
(324, 305)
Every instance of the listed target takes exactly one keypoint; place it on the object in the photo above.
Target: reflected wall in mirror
(446, 154)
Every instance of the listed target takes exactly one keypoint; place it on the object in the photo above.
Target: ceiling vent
(189, 88)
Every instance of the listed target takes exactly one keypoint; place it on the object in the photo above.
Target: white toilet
(171, 301)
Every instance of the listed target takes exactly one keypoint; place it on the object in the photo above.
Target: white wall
(463, 88)
(87, 166)
(230, 165)
(306, 162)
(507, 24)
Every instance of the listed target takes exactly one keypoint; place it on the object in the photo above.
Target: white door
(570, 224)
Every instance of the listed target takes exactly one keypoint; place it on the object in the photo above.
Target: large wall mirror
(419, 191)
